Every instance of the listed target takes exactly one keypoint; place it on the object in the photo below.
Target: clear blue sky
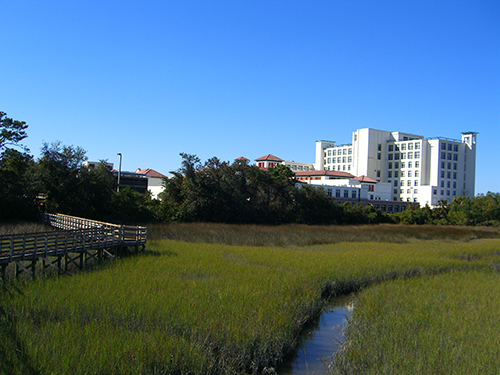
(151, 79)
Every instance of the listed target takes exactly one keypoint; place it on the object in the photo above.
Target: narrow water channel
(320, 339)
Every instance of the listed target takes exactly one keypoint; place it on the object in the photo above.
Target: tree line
(213, 191)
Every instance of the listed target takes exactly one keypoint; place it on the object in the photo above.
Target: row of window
(449, 147)
(339, 160)
(345, 193)
(396, 174)
(335, 152)
(448, 175)
(339, 167)
(403, 164)
(449, 156)
(403, 147)
(402, 183)
(448, 192)
(300, 168)
(402, 191)
(448, 165)
(404, 155)
(448, 184)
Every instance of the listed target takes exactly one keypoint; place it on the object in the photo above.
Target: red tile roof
(366, 179)
(242, 158)
(269, 157)
(150, 173)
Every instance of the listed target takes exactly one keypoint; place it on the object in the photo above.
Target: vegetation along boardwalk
(80, 240)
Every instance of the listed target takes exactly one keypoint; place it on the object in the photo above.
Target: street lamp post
(119, 171)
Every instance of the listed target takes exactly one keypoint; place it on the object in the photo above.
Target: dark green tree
(11, 132)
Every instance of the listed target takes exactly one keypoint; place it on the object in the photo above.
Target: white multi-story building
(424, 170)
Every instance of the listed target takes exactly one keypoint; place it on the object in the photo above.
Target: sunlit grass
(305, 235)
(205, 308)
(440, 324)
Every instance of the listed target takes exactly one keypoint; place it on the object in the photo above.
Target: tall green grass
(306, 235)
(204, 308)
(441, 324)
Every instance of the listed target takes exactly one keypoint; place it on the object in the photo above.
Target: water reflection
(320, 339)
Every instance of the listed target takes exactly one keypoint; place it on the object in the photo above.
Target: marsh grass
(204, 308)
(24, 227)
(306, 235)
(439, 324)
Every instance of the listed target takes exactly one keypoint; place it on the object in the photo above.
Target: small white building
(155, 181)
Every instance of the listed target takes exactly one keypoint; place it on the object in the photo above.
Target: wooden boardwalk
(79, 241)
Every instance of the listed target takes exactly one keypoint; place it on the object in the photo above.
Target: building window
(454, 184)
(396, 174)
(410, 155)
(396, 147)
(454, 193)
(402, 183)
(395, 192)
(389, 156)
(378, 174)
(435, 191)
(391, 148)
(344, 151)
(403, 155)
(449, 146)
(447, 192)
(443, 165)
(410, 164)
(449, 157)
(354, 195)
(416, 173)
(443, 146)
(329, 193)
(409, 173)
(349, 167)
(343, 167)
(455, 157)
(389, 174)
(454, 166)
(329, 160)
(337, 193)
(448, 174)
(408, 183)
(449, 165)
(415, 191)
(408, 191)
(396, 156)
(329, 152)
(379, 156)
(417, 154)
(379, 147)
(410, 146)
(442, 183)
(334, 152)
(403, 147)
(455, 148)
(442, 174)
(346, 193)
(442, 192)
(415, 183)
(417, 146)
(349, 159)
(396, 165)
(443, 155)
(395, 182)
(343, 159)
(349, 151)
(454, 175)
(403, 164)
(417, 164)
(390, 166)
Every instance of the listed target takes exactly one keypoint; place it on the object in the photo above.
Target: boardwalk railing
(79, 241)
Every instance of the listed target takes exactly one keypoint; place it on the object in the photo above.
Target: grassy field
(440, 324)
(212, 308)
